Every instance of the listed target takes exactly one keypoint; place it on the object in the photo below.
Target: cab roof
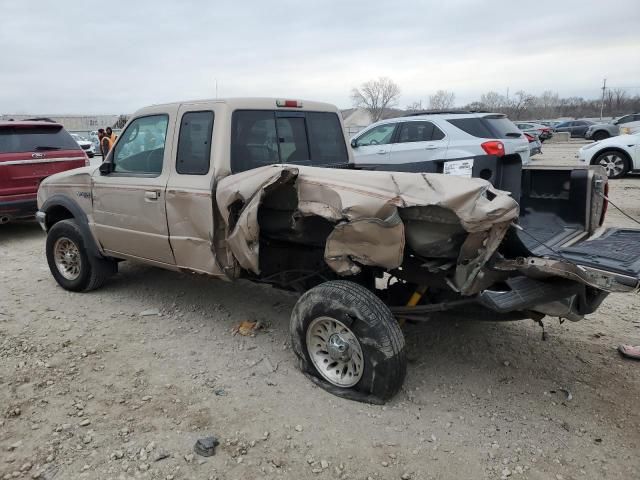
(258, 103)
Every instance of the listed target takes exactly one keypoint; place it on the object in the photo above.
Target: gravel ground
(120, 383)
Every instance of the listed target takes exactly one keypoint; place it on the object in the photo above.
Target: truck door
(129, 202)
(190, 214)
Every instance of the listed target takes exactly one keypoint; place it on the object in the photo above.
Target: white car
(85, 144)
(618, 155)
(448, 142)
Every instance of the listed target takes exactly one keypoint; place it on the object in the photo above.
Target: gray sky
(62, 57)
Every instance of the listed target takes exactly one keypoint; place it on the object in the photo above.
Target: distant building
(356, 119)
(73, 123)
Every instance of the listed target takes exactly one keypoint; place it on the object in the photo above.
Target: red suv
(30, 151)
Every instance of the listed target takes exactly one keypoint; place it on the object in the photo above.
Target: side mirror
(106, 168)
(354, 143)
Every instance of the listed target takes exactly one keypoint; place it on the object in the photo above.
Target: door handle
(381, 152)
(151, 195)
(430, 147)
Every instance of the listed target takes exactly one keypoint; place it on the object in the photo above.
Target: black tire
(609, 157)
(375, 328)
(600, 135)
(93, 271)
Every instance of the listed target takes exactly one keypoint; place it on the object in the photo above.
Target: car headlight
(591, 145)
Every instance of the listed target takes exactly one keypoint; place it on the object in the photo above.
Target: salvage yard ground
(121, 382)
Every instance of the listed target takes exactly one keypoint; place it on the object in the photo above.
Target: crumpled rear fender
(365, 208)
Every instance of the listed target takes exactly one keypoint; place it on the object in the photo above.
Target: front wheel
(600, 135)
(348, 342)
(70, 264)
(614, 162)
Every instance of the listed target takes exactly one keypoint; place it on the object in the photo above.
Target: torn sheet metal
(365, 205)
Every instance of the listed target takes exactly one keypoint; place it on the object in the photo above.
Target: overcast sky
(65, 57)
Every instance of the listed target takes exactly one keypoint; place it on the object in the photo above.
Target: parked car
(600, 131)
(628, 123)
(85, 144)
(542, 131)
(535, 145)
(548, 123)
(577, 128)
(30, 151)
(618, 155)
(267, 193)
(433, 142)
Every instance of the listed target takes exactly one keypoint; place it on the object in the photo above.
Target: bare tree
(375, 96)
(492, 101)
(546, 104)
(414, 107)
(621, 99)
(521, 102)
(121, 122)
(442, 100)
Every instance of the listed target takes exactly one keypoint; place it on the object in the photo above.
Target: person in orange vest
(111, 135)
(105, 142)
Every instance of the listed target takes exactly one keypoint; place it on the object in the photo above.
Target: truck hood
(370, 211)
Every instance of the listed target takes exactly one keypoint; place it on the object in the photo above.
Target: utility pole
(604, 87)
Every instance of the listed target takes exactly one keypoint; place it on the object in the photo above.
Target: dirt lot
(120, 382)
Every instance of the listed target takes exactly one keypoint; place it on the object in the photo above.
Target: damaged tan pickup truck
(264, 189)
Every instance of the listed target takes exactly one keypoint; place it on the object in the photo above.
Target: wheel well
(56, 214)
(625, 155)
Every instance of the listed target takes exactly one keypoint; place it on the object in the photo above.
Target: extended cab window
(194, 143)
(140, 150)
(419, 132)
(265, 137)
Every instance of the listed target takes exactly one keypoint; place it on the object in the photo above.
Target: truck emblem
(86, 195)
(37, 155)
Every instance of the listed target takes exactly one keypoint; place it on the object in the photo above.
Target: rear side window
(497, 126)
(265, 137)
(194, 143)
(419, 132)
(35, 139)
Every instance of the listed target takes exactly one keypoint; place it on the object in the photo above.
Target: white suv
(451, 139)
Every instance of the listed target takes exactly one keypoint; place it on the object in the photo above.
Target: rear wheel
(614, 162)
(600, 135)
(348, 342)
(70, 264)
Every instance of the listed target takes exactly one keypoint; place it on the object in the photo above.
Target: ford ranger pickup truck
(265, 190)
